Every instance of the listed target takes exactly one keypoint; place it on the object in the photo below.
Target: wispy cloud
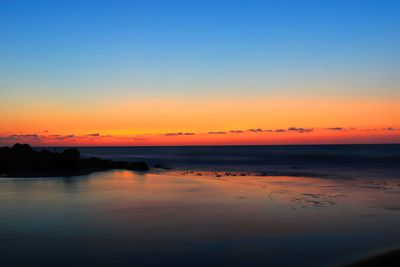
(335, 128)
(24, 136)
(54, 138)
(129, 138)
(62, 137)
(178, 134)
(216, 132)
(300, 130)
(93, 135)
(8, 138)
(258, 130)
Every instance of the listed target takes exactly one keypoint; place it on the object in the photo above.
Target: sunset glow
(205, 122)
(143, 85)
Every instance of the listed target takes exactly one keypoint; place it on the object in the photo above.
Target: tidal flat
(172, 218)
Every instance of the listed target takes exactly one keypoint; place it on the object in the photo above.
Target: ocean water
(181, 218)
(333, 161)
(122, 218)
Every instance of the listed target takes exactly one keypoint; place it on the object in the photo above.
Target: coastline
(21, 160)
(320, 222)
(332, 162)
(388, 258)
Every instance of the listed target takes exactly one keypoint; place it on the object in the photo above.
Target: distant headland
(21, 160)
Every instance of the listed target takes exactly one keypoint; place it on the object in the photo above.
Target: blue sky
(126, 69)
(182, 48)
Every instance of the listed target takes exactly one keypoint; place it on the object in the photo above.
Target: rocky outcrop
(23, 161)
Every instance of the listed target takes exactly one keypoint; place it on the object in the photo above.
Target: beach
(200, 133)
(196, 218)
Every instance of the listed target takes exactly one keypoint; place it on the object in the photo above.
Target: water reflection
(124, 219)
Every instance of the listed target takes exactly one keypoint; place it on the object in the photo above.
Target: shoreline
(387, 258)
(250, 210)
(21, 160)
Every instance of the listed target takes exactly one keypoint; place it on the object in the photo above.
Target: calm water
(119, 218)
(332, 161)
(347, 208)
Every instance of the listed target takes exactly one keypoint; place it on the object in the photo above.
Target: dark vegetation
(23, 161)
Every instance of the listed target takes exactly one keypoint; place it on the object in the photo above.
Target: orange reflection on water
(252, 217)
(203, 207)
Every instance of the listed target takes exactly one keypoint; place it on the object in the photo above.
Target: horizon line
(233, 145)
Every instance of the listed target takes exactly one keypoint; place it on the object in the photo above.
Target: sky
(203, 72)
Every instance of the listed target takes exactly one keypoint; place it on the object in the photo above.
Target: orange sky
(133, 75)
(159, 122)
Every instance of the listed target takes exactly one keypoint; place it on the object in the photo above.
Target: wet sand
(196, 219)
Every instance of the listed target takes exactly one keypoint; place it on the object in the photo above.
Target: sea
(334, 161)
(317, 206)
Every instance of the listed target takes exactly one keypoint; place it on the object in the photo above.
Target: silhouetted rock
(139, 166)
(23, 161)
(24, 148)
(71, 154)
